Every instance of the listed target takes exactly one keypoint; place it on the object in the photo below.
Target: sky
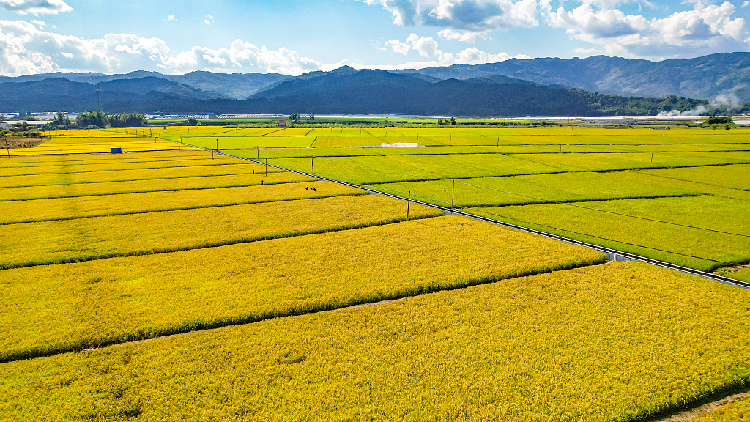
(299, 36)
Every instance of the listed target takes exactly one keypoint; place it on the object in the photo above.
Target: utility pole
(98, 100)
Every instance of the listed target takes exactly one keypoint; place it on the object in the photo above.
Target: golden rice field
(270, 295)
(547, 347)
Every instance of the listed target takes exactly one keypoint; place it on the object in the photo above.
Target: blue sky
(293, 37)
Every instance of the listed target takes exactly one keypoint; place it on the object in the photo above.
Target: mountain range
(593, 86)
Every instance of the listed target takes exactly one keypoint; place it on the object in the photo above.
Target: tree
(312, 117)
(128, 120)
(453, 121)
(192, 121)
(61, 119)
(294, 117)
(92, 118)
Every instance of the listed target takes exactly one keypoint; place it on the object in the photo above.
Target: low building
(281, 123)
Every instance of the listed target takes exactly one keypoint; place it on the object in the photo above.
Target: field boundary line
(612, 254)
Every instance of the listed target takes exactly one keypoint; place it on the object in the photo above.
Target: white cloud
(463, 36)
(209, 20)
(469, 15)
(24, 49)
(40, 24)
(171, 18)
(705, 29)
(745, 4)
(36, 7)
(428, 47)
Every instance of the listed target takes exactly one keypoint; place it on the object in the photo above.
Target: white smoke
(698, 111)
(730, 101)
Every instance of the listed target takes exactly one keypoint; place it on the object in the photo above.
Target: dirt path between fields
(693, 414)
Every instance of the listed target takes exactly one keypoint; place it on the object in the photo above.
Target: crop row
(735, 177)
(235, 142)
(535, 189)
(146, 185)
(383, 169)
(132, 298)
(622, 341)
(69, 168)
(239, 169)
(87, 146)
(42, 163)
(30, 244)
(132, 203)
(691, 246)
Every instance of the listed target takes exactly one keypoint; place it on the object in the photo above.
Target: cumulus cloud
(463, 36)
(171, 18)
(36, 7)
(469, 15)
(425, 46)
(209, 20)
(428, 47)
(24, 49)
(708, 28)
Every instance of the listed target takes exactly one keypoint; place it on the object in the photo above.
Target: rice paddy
(271, 295)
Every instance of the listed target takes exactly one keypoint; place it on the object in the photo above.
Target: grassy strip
(135, 203)
(30, 244)
(695, 248)
(237, 168)
(127, 299)
(148, 185)
(622, 341)
(541, 188)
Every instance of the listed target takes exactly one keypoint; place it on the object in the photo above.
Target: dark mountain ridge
(704, 77)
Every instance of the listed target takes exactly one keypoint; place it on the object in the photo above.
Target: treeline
(100, 120)
(612, 105)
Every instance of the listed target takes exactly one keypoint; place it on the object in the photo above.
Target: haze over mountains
(510, 88)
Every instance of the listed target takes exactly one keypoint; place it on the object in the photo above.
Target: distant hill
(703, 77)
(342, 91)
(212, 85)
